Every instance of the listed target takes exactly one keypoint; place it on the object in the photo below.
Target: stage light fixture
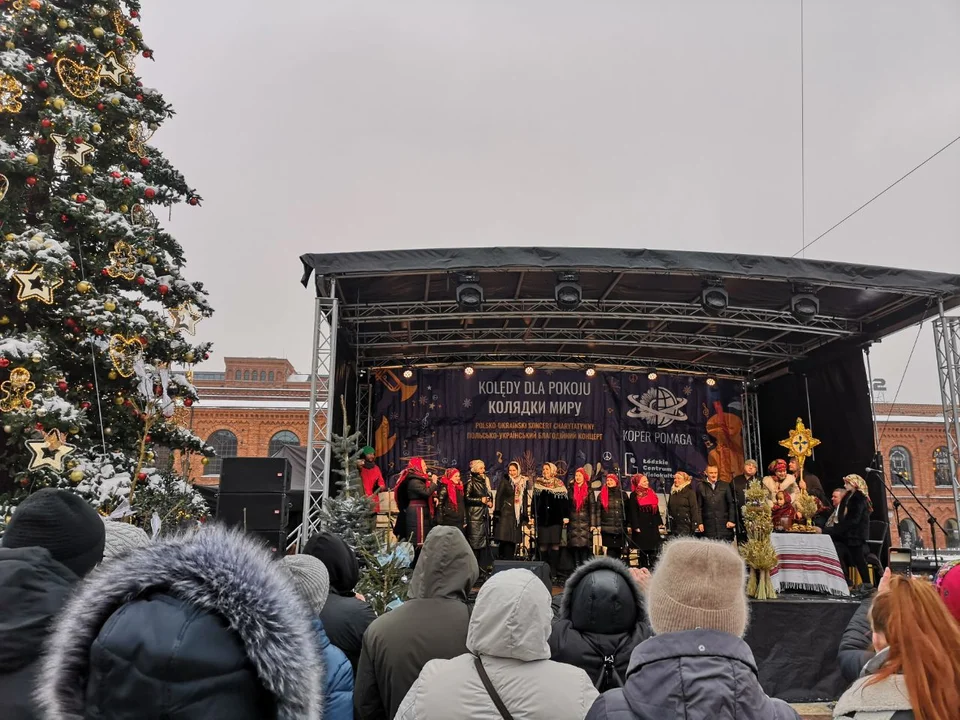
(804, 305)
(713, 298)
(528, 369)
(407, 372)
(711, 381)
(468, 370)
(568, 292)
(591, 371)
(469, 292)
(652, 375)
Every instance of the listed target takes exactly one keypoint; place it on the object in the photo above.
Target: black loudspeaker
(255, 475)
(274, 540)
(540, 569)
(254, 511)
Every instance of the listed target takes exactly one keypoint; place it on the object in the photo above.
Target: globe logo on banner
(658, 407)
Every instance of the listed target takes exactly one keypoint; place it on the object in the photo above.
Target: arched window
(909, 534)
(284, 437)
(263, 376)
(224, 444)
(246, 374)
(941, 466)
(271, 376)
(901, 466)
(236, 375)
(953, 532)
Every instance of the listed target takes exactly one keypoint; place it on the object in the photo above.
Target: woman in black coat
(643, 516)
(852, 528)
(580, 529)
(601, 621)
(414, 491)
(683, 509)
(479, 500)
(551, 507)
(609, 516)
(510, 512)
(451, 504)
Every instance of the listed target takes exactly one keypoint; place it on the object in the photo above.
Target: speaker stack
(254, 496)
(540, 569)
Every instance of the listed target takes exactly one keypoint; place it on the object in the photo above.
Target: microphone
(874, 471)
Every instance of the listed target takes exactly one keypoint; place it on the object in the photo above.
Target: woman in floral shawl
(510, 513)
(551, 506)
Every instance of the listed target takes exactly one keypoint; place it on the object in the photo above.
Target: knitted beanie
(64, 524)
(948, 585)
(698, 584)
(122, 537)
(311, 578)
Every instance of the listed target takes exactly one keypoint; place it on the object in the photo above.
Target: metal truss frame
(364, 410)
(751, 426)
(946, 334)
(316, 482)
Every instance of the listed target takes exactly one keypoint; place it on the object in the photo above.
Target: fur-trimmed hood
(871, 698)
(207, 622)
(591, 599)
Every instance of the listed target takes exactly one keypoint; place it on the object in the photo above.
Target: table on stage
(807, 562)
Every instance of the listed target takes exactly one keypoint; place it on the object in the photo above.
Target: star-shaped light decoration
(185, 316)
(113, 69)
(78, 155)
(800, 444)
(34, 285)
(50, 451)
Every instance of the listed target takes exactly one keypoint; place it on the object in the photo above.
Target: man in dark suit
(718, 508)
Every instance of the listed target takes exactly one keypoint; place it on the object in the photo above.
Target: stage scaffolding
(946, 334)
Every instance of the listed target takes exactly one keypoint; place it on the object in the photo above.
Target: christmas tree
(385, 575)
(349, 512)
(94, 305)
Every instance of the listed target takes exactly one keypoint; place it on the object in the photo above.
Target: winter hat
(64, 524)
(368, 450)
(311, 578)
(948, 585)
(122, 537)
(698, 584)
(339, 559)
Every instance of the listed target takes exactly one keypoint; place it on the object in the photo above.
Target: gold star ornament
(185, 316)
(33, 285)
(78, 155)
(50, 451)
(800, 444)
(112, 68)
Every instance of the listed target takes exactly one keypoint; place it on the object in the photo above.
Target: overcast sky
(321, 125)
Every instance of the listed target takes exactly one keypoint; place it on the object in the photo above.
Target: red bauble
(39, 426)
(45, 123)
(104, 272)
(73, 265)
(62, 385)
(134, 14)
(101, 107)
(41, 141)
(51, 57)
(119, 41)
(89, 386)
(141, 476)
(25, 481)
(145, 162)
(4, 362)
(127, 182)
(85, 405)
(149, 193)
(147, 54)
(30, 67)
(187, 402)
(163, 289)
(28, 403)
(81, 198)
(139, 97)
(98, 331)
(143, 341)
(78, 139)
(43, 84)
(64, 219)
(80, 49)
(141, 280)
(194, 201)
(206, 356)
(116, 174)
(31, 181)
(147, 438)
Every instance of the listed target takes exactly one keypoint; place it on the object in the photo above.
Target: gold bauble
(10, 237)
(123, 208)
(83, 287)
(76, 475)
(9, 45)
(62, 24)
(87, 169)
(153, 259)
(32, 159)
(98, 32)
(109, 306)
(112, 374)
(95, 128)
(141, 252)
(74, 431)
(189, 357)
(114, 100)
(205, 461)
(108, 431)
(118, 401)
(5, 320)
(59, 103)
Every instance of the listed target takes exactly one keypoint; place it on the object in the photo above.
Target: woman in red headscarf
(779, 481)
(643, 517)
(582, 511)
(413, 491)
(609, 516)
(451, 506)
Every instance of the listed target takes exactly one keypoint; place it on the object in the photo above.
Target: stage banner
(621, 422)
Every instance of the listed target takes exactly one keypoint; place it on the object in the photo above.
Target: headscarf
(605, 490)
(778, 466)
(519, 479)
(447, 480)
(581, 490)
(553, 469)
(417, 466)
(518, 488)
(643, 497)
(860, 485)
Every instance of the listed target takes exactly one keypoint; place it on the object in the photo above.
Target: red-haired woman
(610, 517)
(915, 674)
(451, 506)
(413, 491)
(580, 529)
(643, 516)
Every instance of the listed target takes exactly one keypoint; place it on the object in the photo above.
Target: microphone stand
(931, 520)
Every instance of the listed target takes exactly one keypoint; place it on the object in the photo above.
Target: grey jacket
(692, 675)
(431, 624)
(508, 631)
(885, 700)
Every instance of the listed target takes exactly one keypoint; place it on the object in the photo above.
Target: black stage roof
(640, 309)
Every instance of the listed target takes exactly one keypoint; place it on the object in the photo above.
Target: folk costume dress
(413, 492)
(451, 502)
(644, 518)
(510, 512)
(610, 517)
(580, 529)
(372, 478)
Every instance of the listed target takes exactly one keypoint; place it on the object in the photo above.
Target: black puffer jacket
(579, 533)
(345, 618)
(33, 590)
(477, 490)
(601, 616)
(207, 625)
(855, 645)
(611, 519)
